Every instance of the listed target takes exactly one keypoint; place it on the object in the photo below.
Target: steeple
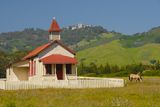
(54, 31)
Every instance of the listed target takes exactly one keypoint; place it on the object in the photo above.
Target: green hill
(115, 53)
(140, 39)
(30, 38)
(115, 48)
(93, 44)
(103, 38)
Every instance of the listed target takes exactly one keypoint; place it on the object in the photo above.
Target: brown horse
(136, 77)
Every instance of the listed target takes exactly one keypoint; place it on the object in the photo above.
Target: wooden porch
(60, 71)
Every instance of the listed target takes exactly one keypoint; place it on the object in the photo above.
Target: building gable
(55, 49)
(45, 47)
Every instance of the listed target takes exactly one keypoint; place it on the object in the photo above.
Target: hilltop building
(78, 26)
(49, 62)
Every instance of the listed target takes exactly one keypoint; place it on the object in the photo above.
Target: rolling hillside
(30, 38)
(93, 44)
(140, 39)
(119, 49)
(115, 53)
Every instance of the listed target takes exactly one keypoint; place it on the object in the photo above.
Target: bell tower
(54, 31)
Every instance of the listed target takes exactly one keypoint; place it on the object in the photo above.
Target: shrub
(10, 104)
(151, 73)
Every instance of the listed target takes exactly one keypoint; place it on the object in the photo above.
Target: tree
(107, 69)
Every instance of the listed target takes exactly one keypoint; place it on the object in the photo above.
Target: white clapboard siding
(81, 83)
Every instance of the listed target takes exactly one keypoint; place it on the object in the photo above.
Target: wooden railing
(94, 83)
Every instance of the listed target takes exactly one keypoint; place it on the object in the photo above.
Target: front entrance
(59, 71)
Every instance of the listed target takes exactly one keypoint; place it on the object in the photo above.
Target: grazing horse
(136, 77)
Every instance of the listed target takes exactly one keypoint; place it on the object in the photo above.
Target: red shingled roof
(41, 48)
(54, 27)
(58, 59)
(36, 51)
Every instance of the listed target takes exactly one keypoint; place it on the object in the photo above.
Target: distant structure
(78, 26)
(2, 43)
(51, 61)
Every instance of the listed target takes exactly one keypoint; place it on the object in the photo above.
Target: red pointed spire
(54, 26)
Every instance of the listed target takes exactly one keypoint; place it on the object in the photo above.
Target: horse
(136, 77)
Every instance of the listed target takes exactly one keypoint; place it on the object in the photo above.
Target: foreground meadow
(144, 94)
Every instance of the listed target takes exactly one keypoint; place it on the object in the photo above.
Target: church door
(59, 71)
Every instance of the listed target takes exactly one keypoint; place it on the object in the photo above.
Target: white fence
(93, 83)
(2, 83)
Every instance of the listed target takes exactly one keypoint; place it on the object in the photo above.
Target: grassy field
(144, 94)
(114, 53)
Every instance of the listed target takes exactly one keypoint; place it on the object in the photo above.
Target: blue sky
(125, 16)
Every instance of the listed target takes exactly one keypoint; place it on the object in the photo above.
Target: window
(68, 69)
(34, 72)
(48, 68)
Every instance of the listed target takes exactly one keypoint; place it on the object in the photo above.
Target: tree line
(100, 70)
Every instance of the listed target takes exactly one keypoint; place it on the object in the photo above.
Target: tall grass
(144, 94)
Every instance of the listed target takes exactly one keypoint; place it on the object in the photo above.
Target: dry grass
(145, 94)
